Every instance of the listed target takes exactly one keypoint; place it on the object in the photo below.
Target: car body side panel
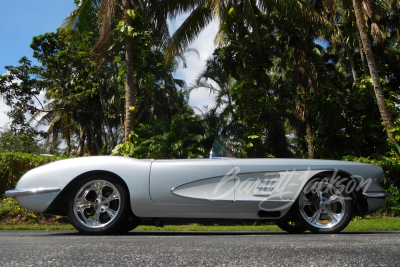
(245, 206)
(191, 181)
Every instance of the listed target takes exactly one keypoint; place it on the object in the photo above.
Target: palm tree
(150, 13)
(204, 11)
(362, 9)
(361, 24)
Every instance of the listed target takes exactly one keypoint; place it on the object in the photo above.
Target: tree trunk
(68, 152)
(362, 54)
(129, 83)
(380, 99)
(309, 141)
(109, 128)
(88, 143)
(304, 119)
(360, 46)
(79, 150)
(93, 138)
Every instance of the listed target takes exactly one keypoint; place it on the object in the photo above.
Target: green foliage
(9, 206)
(392, 206)
(82, 100)
(19, 88)
(391, 167)
(12, 142)
(14, 165)
(13, 214)
(183, 138)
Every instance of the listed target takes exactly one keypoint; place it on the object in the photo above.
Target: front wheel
(323, 208)
(99, 205)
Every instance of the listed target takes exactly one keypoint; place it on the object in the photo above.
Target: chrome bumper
(31, 191)
(377, 195)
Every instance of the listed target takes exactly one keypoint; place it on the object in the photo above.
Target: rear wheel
(99, 205)
(324, 208)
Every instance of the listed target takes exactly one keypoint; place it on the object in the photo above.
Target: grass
(385, 224)
(37, 227)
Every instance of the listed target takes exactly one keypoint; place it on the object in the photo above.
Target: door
(192, 181)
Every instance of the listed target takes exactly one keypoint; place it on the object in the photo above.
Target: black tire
(99, 205)
(291, 224)
(131, 222)
(326, 210)
(127, 228)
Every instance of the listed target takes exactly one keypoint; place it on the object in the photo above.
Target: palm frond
(80, 15)
(106, 19)
(189, 30)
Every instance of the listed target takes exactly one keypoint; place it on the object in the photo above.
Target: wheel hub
(102, 205)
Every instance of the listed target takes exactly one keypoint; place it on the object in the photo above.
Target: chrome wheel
(97, 204)
(322, 205)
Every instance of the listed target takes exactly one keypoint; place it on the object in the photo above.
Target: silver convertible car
(109, 194)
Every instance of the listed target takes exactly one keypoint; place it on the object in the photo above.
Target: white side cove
(213, 189)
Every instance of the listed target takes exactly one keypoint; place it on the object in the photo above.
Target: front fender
(61, 173)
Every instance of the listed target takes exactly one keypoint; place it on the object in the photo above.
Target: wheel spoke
(95, 221)
(83, 215)
(319, 194)
(113, 196)
(335, 217)
(82, 204)
(112, 213)
(99, 188)
(316, 216)
(332, 199)
(87, 192)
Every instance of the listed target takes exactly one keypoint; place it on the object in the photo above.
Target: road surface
(139, 248)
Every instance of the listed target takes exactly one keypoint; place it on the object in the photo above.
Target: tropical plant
(133, 20)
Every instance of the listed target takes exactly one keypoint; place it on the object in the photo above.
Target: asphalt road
(69, 248)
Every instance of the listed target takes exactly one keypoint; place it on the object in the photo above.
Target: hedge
(14, 165)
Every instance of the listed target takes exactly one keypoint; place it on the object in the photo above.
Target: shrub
(8, 206)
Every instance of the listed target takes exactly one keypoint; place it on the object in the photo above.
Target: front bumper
(376, 200)
(31, 191)
(377, 195)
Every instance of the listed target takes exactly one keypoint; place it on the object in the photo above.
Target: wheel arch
(59, 206)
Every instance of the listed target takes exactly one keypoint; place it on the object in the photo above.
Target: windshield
(219, 150)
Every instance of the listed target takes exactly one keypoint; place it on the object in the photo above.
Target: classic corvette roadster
(109, 194)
